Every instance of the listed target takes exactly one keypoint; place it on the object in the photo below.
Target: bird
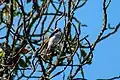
(54, 38)
(50, 43)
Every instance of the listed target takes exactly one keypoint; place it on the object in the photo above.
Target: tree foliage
(28, 23)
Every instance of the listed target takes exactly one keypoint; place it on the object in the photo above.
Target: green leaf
(17, 13)
(28, 59)
(2, 53)
(22, 63)
(63, 54)
(89, 61)
(83, 53)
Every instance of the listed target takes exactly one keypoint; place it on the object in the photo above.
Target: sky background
(106, 60)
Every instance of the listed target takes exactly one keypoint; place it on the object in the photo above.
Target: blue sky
(106, 58)
(106, 55)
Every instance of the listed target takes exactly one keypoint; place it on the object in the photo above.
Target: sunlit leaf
(15, 5)
(2, 53)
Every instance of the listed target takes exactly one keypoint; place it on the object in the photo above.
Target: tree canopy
(25, 27)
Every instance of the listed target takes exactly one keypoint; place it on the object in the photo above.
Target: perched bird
(50, 44)
(54, 38)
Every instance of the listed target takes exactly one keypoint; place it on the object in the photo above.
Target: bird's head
(57, 30)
